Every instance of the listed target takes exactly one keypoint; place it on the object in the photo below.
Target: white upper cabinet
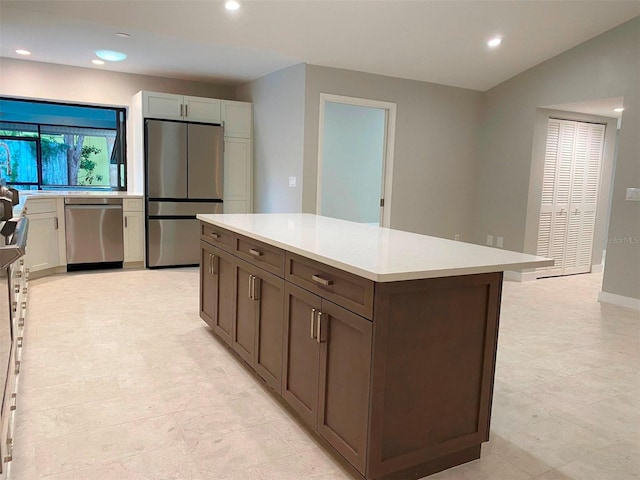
(237, 118)
(168, 106)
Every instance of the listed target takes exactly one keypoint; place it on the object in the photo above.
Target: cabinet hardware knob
(319, 328)
(255, 253)
(214, 235)
(313, 322)
(321, 281)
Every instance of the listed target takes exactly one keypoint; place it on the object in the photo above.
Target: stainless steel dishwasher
(94, 232)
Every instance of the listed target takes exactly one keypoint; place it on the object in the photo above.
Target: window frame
(120, 144)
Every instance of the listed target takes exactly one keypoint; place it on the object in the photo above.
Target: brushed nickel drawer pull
(216, 264)
(21, 322)
(256, 288)
(20, 342)
(313, 323)
(214, 235)
(251, 287)
(322, 281)
(255, 253)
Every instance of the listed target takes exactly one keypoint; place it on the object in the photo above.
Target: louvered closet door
(569, 194)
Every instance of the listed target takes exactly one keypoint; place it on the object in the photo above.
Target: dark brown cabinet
(397, 377)
(258, 320)
(217, 290)
(327, 367)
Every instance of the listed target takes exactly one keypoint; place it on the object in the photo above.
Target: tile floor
(122, 380)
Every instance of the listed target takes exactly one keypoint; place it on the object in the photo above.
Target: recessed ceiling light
(23, 52)
(110, 55)
(619, 109)
(232, 5)
(95, 61)
(123, 35)
(494, 42)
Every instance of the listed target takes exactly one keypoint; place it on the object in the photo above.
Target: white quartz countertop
(376, 253)
(26, 194)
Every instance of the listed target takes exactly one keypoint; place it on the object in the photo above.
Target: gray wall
(606, 66)
(278, 132)
(24, 78)
(435, 158)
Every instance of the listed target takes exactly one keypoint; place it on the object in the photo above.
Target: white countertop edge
(381, 278)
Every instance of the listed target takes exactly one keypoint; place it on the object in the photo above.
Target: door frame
(388, 148)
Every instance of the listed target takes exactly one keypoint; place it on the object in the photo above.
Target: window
(56, 146)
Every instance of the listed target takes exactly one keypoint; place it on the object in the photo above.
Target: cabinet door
(269, 295)
(133, 228)
(345, 368)
(217, 290)
(237, 118)
(198, 109)
(42, 247)
(162, 105)
(301, 353)
(244, 326)
(238, 173)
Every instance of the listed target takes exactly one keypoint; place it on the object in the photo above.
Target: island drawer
(217, 236)
(260, 254)
(350, 291)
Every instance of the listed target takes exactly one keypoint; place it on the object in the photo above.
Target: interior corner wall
(603, 67)
(435, 158)
(278, 134)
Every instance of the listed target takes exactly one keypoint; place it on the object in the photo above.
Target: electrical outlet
(292, 181)
(456, 236)
(490, 240)
(499, 242)
(633, 195)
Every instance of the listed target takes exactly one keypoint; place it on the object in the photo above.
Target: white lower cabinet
(43, 247)
(133, 228)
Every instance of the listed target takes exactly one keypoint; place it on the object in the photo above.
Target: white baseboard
(628, 302)
(597, 268)
(516, 276)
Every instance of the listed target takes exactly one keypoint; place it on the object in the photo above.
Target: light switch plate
(490, 240)
(499, 242)
(633, 194)
(292, 181)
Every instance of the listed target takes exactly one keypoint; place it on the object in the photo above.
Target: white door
(354, 159)
(573, 160)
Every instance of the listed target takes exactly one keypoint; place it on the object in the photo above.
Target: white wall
(48, 81)
(278, 133)
(435, 157)
(604, 67)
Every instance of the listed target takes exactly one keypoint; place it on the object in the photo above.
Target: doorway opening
(355, 159)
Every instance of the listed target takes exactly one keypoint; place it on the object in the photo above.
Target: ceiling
(434, 41)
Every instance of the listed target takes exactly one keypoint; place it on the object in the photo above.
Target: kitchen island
(382, 342)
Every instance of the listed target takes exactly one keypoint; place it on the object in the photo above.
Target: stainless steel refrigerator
(184, 177)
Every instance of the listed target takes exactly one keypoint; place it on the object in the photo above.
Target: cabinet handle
(55, 219)
(21, 261)
(321, 281)
(14, 404)
(126, 223)
(210, 265)
(251, 287)
(186, 110)
(181, 110)
(255, 252)
(20, 342)
(14, 307)
(21, 322)
(318, 328)
(17, 367)
(313, 321)
(256, 288)
(216, 264)
(214, 235)
(9, 456)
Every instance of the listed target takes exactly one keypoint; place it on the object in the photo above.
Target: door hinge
(382, 202)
